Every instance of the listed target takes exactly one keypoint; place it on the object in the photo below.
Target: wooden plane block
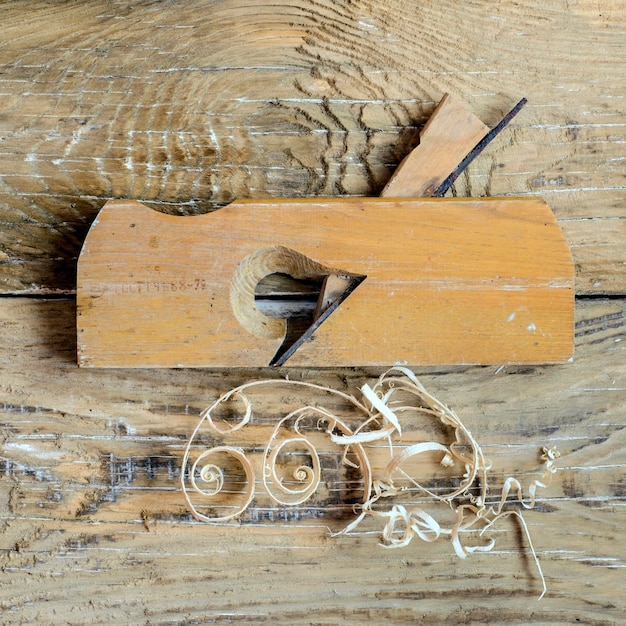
(446, 281)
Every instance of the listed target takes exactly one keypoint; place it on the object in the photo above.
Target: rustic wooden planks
(187, 107)
(314, 100)
(89, 490)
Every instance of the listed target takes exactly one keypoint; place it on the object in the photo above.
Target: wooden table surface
(186, 106)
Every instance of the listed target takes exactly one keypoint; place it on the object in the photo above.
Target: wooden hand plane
(400, 279)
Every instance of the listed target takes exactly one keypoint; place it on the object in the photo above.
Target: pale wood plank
(89, 495)
(102, 103)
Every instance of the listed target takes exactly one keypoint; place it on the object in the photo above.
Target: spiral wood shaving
(396, 394)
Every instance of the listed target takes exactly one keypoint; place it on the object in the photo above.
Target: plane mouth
(300, 327)
(279, 293)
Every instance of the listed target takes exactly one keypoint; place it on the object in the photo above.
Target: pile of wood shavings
(396, 393)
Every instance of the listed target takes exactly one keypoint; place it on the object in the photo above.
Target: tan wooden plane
(375, 281)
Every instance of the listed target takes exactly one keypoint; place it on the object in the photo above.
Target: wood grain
(90, 498)
(189, 108)
(189, 105)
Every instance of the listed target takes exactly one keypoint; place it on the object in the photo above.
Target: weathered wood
(189, 105)
(89, 495)
(437, 281)
(314, 99)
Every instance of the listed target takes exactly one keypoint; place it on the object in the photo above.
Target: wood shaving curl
(397, 393)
